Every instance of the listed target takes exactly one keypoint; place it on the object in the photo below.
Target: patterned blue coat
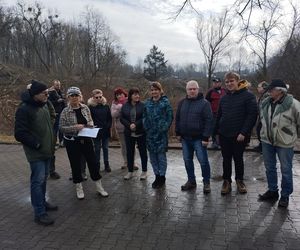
(157, 119)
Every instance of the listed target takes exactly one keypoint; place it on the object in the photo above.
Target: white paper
(88, 132)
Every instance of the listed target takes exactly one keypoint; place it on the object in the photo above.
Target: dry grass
(7, 139)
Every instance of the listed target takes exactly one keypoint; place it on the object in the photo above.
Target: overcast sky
(139, 24)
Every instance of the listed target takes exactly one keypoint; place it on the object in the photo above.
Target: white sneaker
(143, 175)
(79, 191)
(100, 188)
(128, 176)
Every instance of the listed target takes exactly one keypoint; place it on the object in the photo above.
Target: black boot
(155, 184)
(162, 181)
(107, 167)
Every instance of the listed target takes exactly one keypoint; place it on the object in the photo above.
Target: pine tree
(155, 65)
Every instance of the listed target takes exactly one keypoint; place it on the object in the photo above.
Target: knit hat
(73, 91)
(277, 83)
(36, 87)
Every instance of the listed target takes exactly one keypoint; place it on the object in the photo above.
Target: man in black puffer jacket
(236, 117)
(194, 126)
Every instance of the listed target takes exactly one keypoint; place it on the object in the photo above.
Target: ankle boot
(107, 167)
(162, 181)
(100, 188)
(155, 184)
(79, 191)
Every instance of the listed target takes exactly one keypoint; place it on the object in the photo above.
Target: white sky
(139, 24)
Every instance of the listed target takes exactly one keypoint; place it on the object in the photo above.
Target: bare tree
(260, 35)
(212, 34)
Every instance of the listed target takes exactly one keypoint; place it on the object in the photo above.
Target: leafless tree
(260, 35)
(212, 34)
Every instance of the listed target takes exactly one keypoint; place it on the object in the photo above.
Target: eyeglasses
(74, 95)
(98, 97)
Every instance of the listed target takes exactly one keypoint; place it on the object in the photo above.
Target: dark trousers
(56, 129)
(258, 129)
(75, 150)
(231, 148)
(130, 149)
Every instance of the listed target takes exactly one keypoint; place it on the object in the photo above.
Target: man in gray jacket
(280, 118)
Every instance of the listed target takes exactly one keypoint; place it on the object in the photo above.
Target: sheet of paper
(88, 132)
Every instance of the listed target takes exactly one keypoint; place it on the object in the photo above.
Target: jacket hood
(91, 102)
(27, 98)
(243, 84)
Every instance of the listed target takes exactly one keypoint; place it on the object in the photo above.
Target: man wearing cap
(214, 95)
(34, 129)
(280, 118)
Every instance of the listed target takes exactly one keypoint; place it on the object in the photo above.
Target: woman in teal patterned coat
(157, 119)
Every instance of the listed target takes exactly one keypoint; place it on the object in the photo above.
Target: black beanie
(36, 87)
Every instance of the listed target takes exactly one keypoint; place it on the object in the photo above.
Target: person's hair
(157, 85)
(96, 92)
(263, 84)
(284, 90)
(231, 75)
(192, 82)
(131, 92)
(55, 80)
(119, 91)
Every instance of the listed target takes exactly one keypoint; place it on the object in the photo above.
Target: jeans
(130, 149)
(231, 148)
(38, 182)
(189, 146)
(98, 143)
(78, 148)
(159, 163)
(285, 156)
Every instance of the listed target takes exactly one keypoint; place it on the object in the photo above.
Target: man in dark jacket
(34, 129)
(57, 99)
(236, 117)
(194, 125)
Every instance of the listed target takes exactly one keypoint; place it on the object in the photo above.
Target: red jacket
(214, 95)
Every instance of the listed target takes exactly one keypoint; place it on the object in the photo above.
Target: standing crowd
(227, 115)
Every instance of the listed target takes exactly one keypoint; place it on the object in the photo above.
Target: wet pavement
(135, 216)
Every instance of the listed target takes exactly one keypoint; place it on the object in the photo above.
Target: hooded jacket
(101, 116)
(34, 128)
(283, 126)
(194, 118)
(237, 113)
(157, 119)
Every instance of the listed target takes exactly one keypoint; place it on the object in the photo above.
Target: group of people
(228, 115)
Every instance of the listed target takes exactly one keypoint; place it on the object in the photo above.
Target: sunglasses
(74, 95)
(98, 97)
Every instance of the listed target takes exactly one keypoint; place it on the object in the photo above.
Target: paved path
(137, 217)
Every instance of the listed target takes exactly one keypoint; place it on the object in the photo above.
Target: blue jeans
(189, 146)
(38, 181)
(98, 144)
(159, 163)
(285, 156)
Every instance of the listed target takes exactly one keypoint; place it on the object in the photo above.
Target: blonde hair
(157, 85)
(231, 75)
(96, 92)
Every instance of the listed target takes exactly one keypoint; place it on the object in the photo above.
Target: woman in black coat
(132, 119)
